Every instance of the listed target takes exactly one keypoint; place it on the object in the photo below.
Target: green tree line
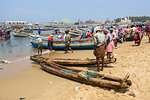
(135, 18)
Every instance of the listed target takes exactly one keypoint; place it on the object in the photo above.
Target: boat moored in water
(58, 44)
(20, 34)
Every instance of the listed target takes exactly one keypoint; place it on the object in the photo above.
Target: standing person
(1, 34)
(8, 34)
(133, 32)
(117, 38)
(113, 34)
(148, 33)
(67, 42)
(56, 31)
(138, 37)
(92, 31)
(39, 44)
(99, 48)
(39, 31)
(88, 34)
(125, 34)
(50, 42)
(121, 34)
(146, 30)
(83, 35)
(20, 30)
(110, 44)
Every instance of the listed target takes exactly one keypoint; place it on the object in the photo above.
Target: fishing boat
(85, 76)
(58, 44)
(20, 34)
(77, 32)
(72, 62)
(43, 29)
(27, 31)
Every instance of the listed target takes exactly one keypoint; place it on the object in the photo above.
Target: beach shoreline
(26, 80)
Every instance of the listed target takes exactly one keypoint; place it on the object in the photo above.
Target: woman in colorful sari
(138, 37)
(110, 44)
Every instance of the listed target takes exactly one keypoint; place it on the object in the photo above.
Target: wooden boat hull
(58, 44)
(20, 35)
(100, 80)
(72, 62)
(44, 29)
(28, 31)
(79, 62)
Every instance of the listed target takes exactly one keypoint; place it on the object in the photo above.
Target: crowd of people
(106, 39)
(5, 34)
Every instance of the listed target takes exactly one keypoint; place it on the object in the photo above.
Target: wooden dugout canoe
(73, 62)
(88, 77)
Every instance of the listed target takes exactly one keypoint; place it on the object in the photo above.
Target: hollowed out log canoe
(74, 62)
(87, 77)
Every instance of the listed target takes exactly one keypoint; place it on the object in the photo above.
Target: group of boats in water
(58, 43)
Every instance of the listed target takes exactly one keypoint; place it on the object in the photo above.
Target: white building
(125, 21)
(16, 23)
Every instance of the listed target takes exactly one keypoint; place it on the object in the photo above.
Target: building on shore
(125, 21)
(16, 23)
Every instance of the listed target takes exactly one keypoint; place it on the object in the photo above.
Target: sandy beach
(24, 80)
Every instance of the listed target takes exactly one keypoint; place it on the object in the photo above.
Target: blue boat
(58, 44)
(18, 34)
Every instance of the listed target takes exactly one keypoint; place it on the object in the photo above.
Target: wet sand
(25, 79)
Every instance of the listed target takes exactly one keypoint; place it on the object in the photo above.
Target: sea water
(17, 47)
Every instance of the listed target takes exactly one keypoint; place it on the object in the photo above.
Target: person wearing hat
(67, 42)
(50, 42)
(99, 47)
(39, 44)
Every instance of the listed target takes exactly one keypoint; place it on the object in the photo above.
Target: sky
(47, 10)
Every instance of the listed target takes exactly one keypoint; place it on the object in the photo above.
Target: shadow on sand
(135, 45)
(94, 67)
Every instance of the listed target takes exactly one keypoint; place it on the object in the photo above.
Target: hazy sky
(47, 10)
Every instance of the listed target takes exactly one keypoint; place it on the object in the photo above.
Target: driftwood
(100, 80)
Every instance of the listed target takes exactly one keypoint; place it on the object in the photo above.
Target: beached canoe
(58, 44)
(71, 62)
(88, 77)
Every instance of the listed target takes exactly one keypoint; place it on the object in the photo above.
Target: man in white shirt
(39, 44)
(99, 48)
